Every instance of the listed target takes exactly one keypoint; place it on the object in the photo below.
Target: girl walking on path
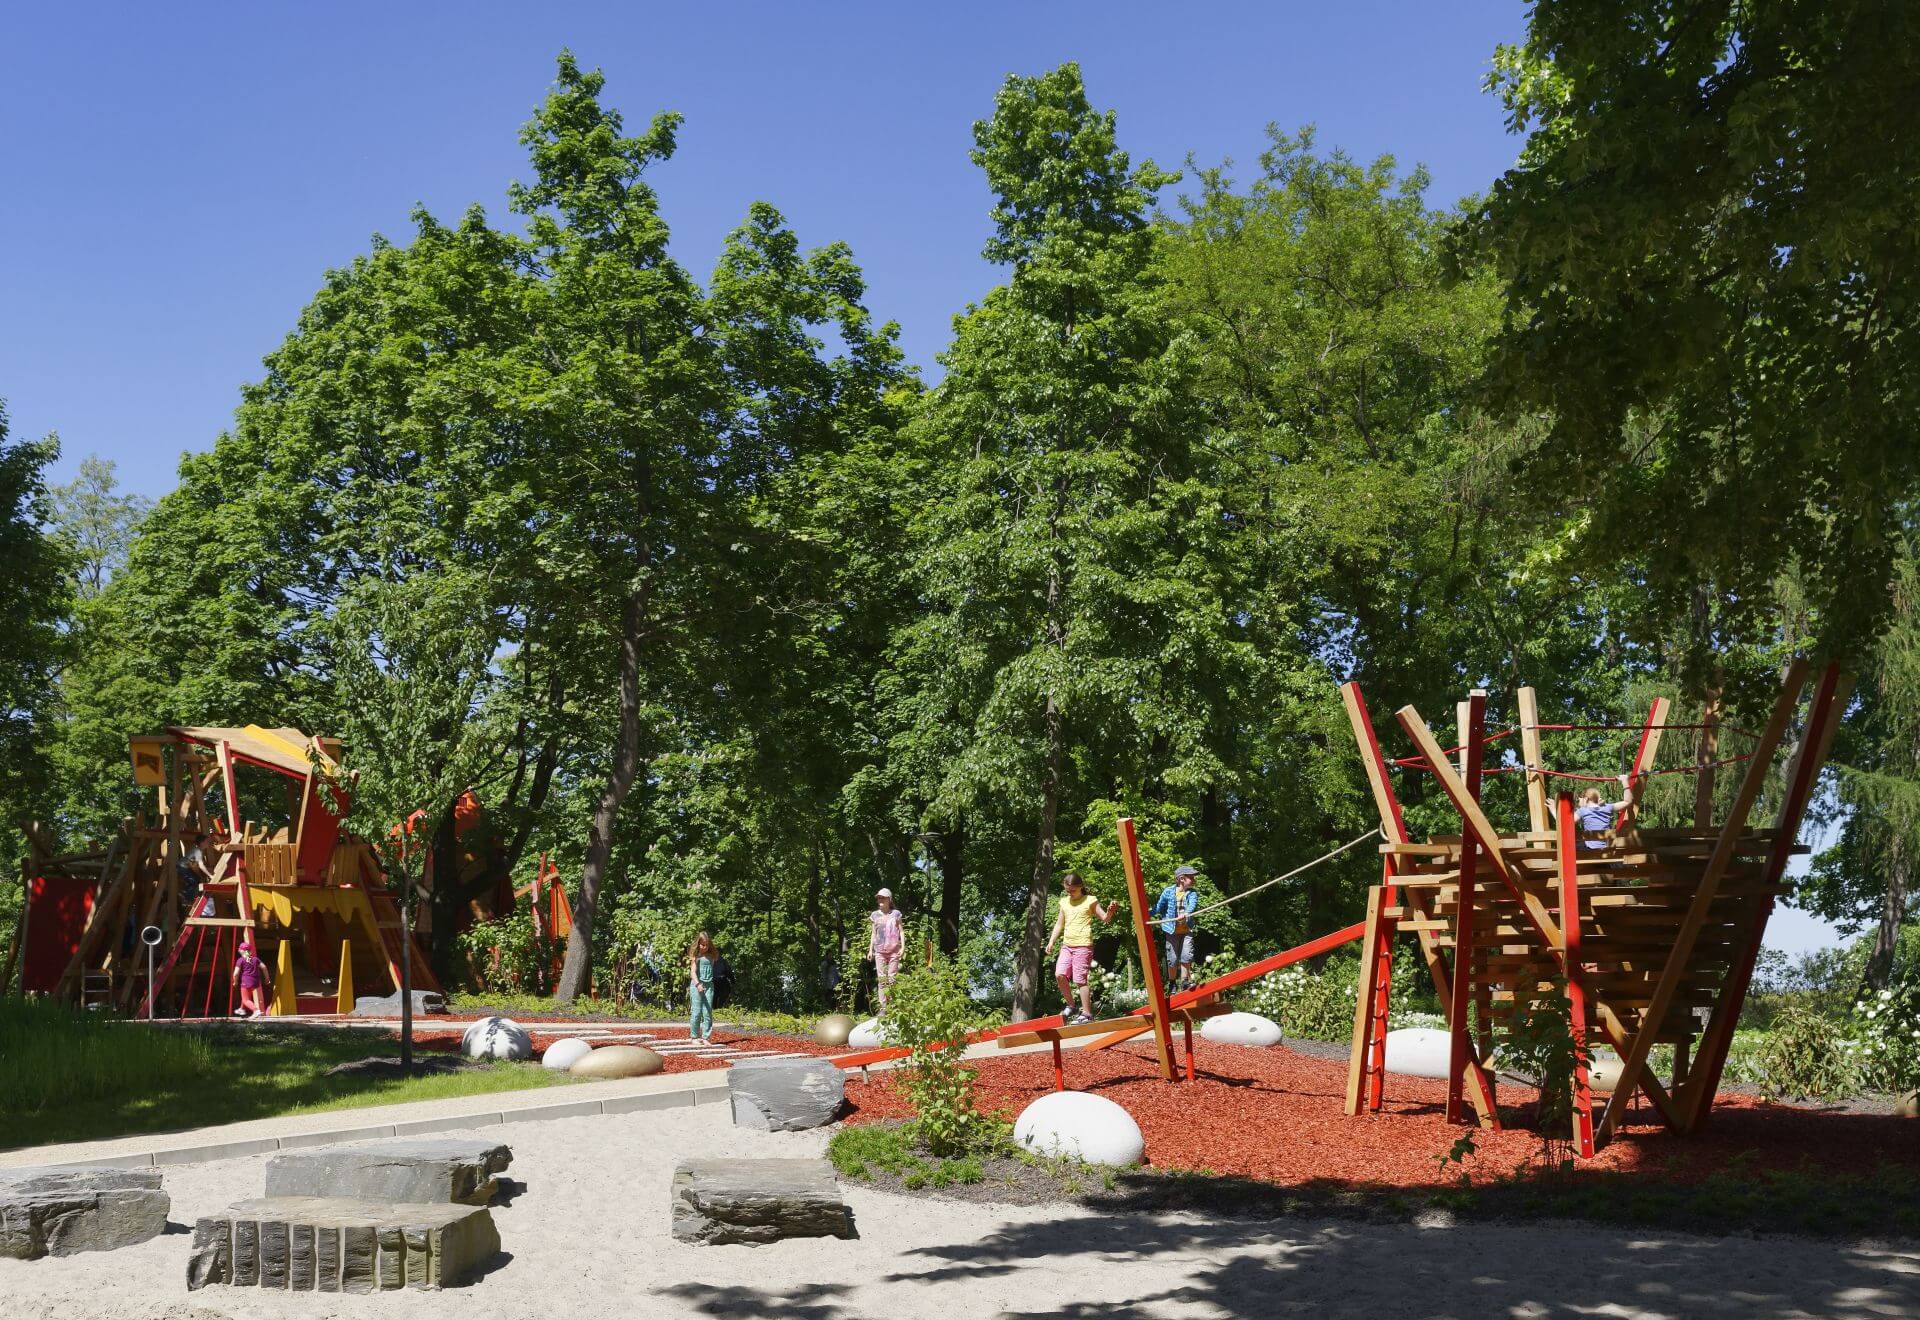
(1073, 931)
(700, 990)
(885, 943)
(251, 973)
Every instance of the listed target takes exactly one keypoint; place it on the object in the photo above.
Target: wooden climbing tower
(1645, 934)
(307, 894)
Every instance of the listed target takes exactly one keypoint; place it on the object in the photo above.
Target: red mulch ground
(1274, 1115)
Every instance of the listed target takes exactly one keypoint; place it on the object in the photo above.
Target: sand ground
(585, 1233)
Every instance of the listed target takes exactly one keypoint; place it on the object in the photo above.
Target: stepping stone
(412, 1172)
(340, 1244)
(785, 1095)
(60, 1212)
(756, 1201)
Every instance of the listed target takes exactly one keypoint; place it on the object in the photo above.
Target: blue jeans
(699, 1011)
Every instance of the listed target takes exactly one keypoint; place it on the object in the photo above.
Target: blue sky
(175, 178)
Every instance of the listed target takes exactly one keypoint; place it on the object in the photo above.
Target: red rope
(1421, 761)
(1637, 728)
(1418, 763)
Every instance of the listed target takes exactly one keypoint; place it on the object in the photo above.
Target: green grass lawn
(66, 1076)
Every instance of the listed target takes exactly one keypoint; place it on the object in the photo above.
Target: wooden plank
(1635, 1059)
(1360, 1057)
(1535, 759)
(1149, 963)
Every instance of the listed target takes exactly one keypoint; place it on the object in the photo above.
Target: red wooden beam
(1569, 844)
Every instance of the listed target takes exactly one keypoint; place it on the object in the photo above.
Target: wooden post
(1530, 752)
(1473, 728)
(1393, 829)
(1708, 753)
(285, 1002)
(1369, 1013)
(1569, 845)
(1681, 953)
(1150, 965)
(1186, 1025)
(343, 979)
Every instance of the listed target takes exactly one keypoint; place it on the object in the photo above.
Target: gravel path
(585, 1232)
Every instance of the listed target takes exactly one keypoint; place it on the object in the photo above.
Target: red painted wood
(1459, 1010)
(1576, 992)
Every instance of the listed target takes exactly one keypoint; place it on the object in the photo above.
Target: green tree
(1867, 877)
(98, 520)
(35, 593)
(1709, 266)
(667, 425)
(1068, 439)
(416, 658)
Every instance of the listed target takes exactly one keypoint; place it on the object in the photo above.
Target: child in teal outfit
(700, 991)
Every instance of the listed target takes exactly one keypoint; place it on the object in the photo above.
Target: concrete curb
(686, 1097)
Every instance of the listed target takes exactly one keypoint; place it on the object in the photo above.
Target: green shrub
(505, 954)
(1310, 1005)
(1889, 1033)
(1538, 1043)
(930, 1014)
(1806, 1056)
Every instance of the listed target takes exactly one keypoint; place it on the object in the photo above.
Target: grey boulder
(336, 1244)
(413, 1172)
(756, 1201)
(785, 1095)
(424, 1001)
(58, 1212)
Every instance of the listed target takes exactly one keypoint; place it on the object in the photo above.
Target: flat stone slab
(424, 1001)
(340, 1244)
(418, 1172)
(785, 1095)
(755, 1201)
(60, 1212)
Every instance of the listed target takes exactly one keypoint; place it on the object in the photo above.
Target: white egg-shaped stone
(1076, 1125)
(563, 1054)
(1241, 1029)
(1603, 1072)
(617, 1061)
(833, 1029)
(866, 1036)
(1418, 1051)
(497, 1038)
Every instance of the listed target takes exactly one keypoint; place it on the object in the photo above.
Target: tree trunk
(1033, 940)
(1893, 908)
(576, 974)
(953, 857)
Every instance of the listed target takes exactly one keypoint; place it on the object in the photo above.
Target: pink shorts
(1073, 962)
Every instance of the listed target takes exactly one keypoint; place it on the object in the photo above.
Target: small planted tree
(929, 1012)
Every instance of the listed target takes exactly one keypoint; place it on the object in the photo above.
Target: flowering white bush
(1888, 1043)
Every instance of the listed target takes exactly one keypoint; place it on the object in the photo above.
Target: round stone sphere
(563, 1054)
(1076, 1125)
(833, 1029)
(1241, 1029)
(1418, 1051)
(497, 1038)
(866, 1036)
(617, 1061)
(1909, 1105)
(1603, 1072)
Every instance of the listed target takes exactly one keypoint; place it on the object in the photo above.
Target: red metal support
(1460, 1012)
(1187, 1026)
(1059, 1068)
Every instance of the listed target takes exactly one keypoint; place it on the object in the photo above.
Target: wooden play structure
(1648, 936)
(1642, 936)
(311, 898)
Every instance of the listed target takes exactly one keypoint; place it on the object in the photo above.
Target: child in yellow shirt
(1073, 931)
